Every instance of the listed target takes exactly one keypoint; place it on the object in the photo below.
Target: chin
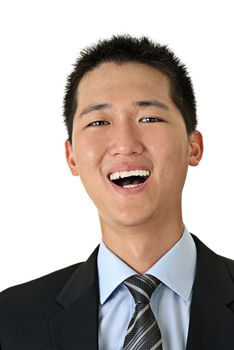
(127, 218)
(133, 221)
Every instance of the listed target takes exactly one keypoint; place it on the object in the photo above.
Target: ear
(70, 158)
(196, 148)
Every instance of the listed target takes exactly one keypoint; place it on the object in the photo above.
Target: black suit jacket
(60, 311)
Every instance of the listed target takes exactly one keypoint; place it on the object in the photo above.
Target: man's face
(129, 144)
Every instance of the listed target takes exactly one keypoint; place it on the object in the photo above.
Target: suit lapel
(76, 327)
(211, 320)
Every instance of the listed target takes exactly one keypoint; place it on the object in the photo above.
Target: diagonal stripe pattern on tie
(143, 331)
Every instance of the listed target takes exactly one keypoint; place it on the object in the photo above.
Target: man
(130, 113)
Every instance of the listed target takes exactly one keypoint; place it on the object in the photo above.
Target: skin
(139, 226)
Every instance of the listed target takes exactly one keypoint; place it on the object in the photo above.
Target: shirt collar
(176, 269)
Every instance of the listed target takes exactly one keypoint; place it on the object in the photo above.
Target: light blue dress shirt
(170, 302)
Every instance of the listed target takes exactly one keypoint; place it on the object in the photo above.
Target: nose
(125, 140)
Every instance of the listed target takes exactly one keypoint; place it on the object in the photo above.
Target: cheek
(170, 155)
(89, 152)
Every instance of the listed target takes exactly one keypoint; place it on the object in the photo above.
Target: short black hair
(125, 48)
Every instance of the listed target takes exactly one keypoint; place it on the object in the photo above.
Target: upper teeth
(121, 174)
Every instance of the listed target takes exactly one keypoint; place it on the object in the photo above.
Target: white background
(47, 221)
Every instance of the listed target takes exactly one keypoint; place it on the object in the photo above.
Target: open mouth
(129, 179)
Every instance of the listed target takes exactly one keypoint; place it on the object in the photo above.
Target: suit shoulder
(230, 265)
(45, 287)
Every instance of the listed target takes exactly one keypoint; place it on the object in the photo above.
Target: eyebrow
(143, 103)
(149, 103)
(96, 107)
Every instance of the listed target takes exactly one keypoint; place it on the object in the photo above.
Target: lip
(128, 167)
(129, 191)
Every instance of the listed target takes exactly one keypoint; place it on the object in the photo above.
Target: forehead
(111, 80)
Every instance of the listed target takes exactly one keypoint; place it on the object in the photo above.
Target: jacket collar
(211, 320)
(76, 327)
(213, 272)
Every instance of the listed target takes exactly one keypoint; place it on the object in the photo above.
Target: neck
(142, 247)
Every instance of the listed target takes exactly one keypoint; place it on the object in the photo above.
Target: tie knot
(141, 287)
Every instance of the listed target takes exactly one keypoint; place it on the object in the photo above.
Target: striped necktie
(143, 331)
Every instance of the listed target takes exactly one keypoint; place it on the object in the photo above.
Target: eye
(99, 123)
(149, 119)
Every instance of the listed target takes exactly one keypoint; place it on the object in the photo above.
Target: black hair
(125, 48)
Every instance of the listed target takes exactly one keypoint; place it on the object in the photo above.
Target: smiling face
(130, 145)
